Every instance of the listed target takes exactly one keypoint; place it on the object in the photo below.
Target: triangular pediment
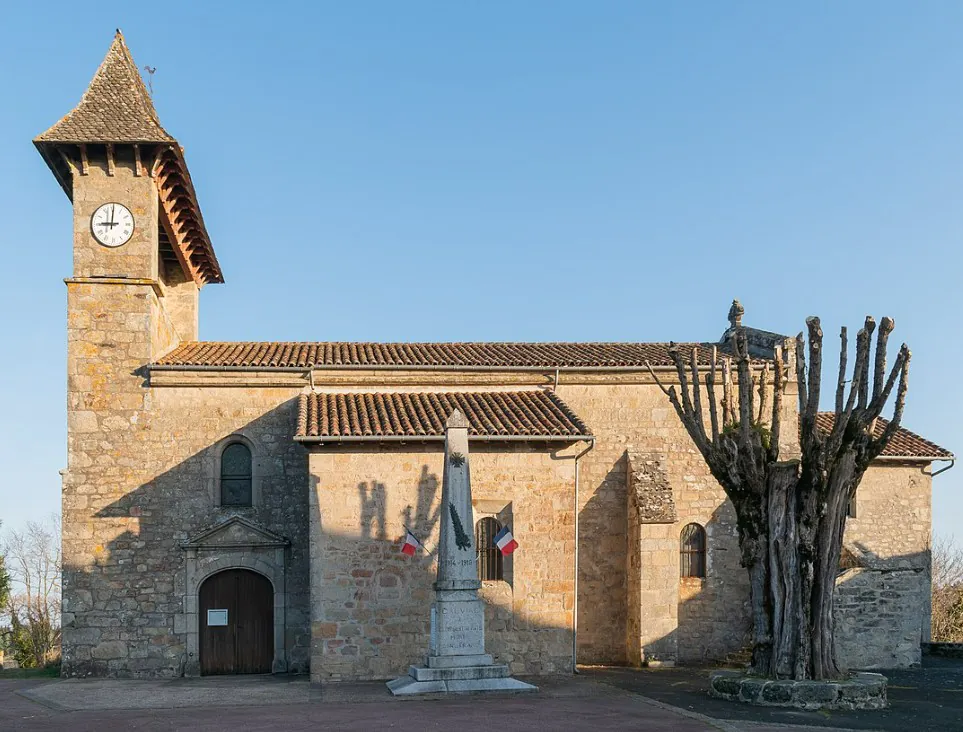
(234, 532)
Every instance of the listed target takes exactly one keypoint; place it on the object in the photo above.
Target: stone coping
(859, 691)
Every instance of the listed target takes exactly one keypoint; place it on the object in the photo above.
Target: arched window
(489, 558)
(692, 551)
(236, 475)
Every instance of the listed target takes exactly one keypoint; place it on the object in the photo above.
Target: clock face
(112, 224)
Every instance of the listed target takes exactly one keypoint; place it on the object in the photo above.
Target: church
(241, 507)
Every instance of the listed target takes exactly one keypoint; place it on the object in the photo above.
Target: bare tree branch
(696, 394)
(886, 326)
(869, 327)
(683, 380)
(791, 515)
(744, 374)
(815, 366)
(728, 400)
(778, 385)
(658, 381)
(684, 416)
(875, 407)
(35, 608)
(711, 395)
(841, 421)
(763, 394)
(841, 381)
(893, 426)
(801, 374)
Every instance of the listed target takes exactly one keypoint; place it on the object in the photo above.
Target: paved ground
(921, 700)
(264, 703)
(598, 699)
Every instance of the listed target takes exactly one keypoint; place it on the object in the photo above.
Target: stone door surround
(234, 543)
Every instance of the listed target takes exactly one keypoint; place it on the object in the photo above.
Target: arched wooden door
(236, 623)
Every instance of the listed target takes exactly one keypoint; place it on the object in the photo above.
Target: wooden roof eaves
(51, 156)
(182, 205)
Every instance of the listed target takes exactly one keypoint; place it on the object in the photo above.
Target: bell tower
(141, 253)
(111, 149)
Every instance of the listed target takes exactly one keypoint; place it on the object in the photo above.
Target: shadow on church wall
(372, 603)
(124, 565)
(125, 578)
(602, 568)
(881, 606)
(126, 581)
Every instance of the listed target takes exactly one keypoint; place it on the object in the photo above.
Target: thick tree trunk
(793, 614)
(785, 584)
(791, 515)
(755, 558)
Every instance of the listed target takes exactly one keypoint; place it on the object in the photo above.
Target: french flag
(505, 541)
(411, 544)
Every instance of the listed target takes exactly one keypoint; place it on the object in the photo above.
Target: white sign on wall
(217, 617)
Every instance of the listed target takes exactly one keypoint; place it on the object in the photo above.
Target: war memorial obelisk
(457, 661)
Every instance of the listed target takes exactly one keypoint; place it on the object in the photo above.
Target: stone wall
(141, 481)
(892, 526)
(652, 563)
(138, 258)
(140, 475)
(883, 600)
(878, 617)
(370, 604)
(636, 415)
(711, 618)
(181, 297)
(127, 514)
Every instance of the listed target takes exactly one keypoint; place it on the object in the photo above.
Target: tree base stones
(859, 691)
(946, 650)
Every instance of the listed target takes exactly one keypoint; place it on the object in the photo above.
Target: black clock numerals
(112, 224)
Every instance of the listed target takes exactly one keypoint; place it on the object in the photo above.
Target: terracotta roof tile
(511, 414)
(115, 108)
(424, 355)
(904, 444)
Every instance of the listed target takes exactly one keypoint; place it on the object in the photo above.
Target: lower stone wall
(370, 605)
(879, 617)
(128, 510)
(714, 614)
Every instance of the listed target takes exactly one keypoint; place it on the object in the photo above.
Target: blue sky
(514, 171)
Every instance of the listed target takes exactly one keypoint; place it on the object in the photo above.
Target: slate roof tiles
(115, 108)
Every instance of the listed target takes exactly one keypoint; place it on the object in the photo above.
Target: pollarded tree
(791, 513)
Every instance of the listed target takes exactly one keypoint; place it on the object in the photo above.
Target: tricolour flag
(411, 544)
(505, 541)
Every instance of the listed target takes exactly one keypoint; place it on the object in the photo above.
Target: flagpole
(412, 533)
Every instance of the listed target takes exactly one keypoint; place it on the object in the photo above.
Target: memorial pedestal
(457, 661)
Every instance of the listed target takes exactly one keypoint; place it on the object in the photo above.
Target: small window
(489, 557)
(692, 551)
(236, 475)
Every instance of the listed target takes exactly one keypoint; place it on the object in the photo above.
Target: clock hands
(111, 223)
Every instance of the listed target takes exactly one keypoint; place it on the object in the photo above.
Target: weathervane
(150, 79)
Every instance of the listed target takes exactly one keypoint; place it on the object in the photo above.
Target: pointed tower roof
(115, 108)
